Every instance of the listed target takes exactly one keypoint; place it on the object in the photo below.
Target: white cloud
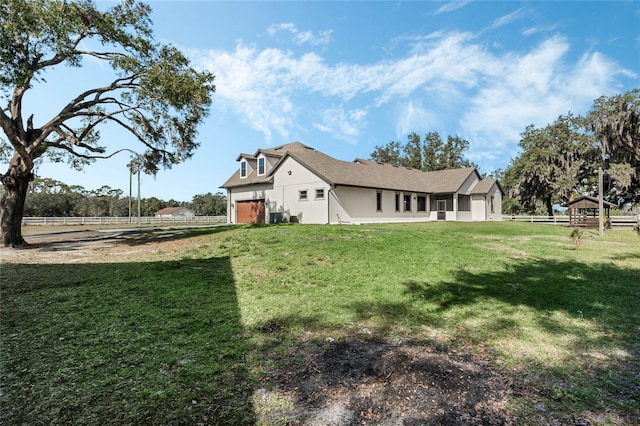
(451, 6)
(509, 18)
(445, 78)
(539, 29)
(254, 85)
(414, 117)
(533, 88)
(301, 37)
(341, 124)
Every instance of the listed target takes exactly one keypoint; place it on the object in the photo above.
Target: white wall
(465, 216)
(481, 205)
(291, 178)
(478, 207)
(360, 203)
(469, 183)
(497, 203)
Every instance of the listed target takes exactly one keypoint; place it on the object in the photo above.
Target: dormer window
(261, 166)
(243, 169)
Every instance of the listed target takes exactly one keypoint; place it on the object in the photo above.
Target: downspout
(331, 187)
(229, 219)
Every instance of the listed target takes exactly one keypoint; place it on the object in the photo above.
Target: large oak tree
(562, 159)
(556, 162)
(154, 93)
(615, 122)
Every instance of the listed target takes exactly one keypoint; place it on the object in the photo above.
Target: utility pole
(130, 190)
(600, 201)
(138, 194)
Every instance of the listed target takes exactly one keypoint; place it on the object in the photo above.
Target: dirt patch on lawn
(368, 381)
(96, 246)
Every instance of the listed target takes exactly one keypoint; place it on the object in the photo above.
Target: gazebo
(583, 212)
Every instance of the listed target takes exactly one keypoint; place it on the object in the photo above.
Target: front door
(442, 209)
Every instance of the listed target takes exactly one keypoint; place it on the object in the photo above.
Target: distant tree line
(51, 198)
(428, 154)
(556, 164)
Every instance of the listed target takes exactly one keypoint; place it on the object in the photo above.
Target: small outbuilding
(583, 212)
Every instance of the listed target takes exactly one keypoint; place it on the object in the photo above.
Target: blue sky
(344, 77)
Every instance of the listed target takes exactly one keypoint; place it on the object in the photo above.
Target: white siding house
(294, 182)
(174, 212)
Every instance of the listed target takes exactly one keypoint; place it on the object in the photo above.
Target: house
(174, 212)
(297, 183)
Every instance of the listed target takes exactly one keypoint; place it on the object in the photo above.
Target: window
(464, 203)
(243, 169)
(422, 203)
(319, 194)
(407, 203)
(447, 198)
(302, 195)
(493, 207)
(397, 202)
(261, 166)
(379, 201)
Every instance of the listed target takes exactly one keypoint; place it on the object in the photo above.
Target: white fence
(121, 220)
(616, 221)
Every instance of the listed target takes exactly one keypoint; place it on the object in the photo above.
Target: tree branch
(70, 136)
(101, 55)
(70, 150)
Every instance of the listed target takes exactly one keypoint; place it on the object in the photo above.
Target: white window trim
(316, 194)
(306, 195)
(264, 168)
(246, 169)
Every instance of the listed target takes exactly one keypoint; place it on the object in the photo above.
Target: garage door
(250, 211)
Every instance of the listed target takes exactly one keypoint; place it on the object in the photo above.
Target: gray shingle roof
(483, 186)
(360, 172)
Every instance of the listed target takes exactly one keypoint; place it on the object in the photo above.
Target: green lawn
(180, 339)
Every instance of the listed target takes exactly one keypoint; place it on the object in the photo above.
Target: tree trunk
(12, 209)
(549, 205)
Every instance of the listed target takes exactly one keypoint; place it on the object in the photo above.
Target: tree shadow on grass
(123, 343)
(602, 293)
(590, 312)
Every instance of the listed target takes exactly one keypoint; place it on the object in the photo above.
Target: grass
(183, 338)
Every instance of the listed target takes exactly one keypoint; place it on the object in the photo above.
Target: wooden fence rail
(616, 221)
(121, 220)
